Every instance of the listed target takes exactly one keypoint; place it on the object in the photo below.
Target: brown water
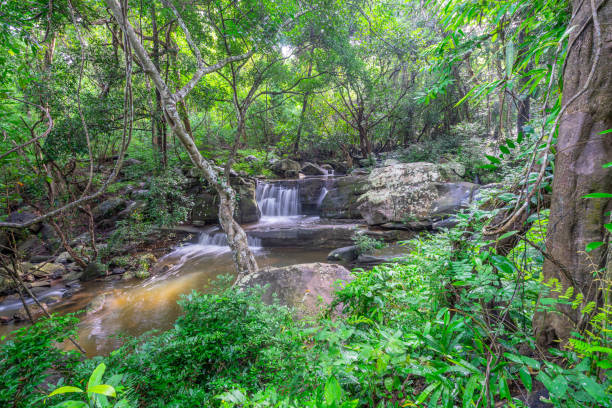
(135, 307)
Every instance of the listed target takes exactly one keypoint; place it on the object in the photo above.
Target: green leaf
(605, 132)
(558, 386)
(594, 389)
(71, 404)
(598, 195)
(96, 377)
(607, 165)
(504, 149)
(493, 159)
(103, 389)
(503, 264)
(525, 378)
(510, 144)
(591, 246)
(608, 227)
(64, 390)
(333, 391)
(469, 391)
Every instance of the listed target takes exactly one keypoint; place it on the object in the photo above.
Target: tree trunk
(244, 261)
(581, 152)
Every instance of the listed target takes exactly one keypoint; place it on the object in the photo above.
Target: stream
(283, 236)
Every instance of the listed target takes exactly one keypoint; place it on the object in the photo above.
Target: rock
(140, 194)
(64, 258)
(128, 275)
(391, 162)
(40, 284)
(96, 304)
(20, 316)
(131, 208)
(328, 168)
(68, 294)
(360, 172)
(286, 168)
(341, 200)
(40, 258)
(6, 285)
(445, 223)
(118, 271)
(25, 268)
(109, 208)
(408, 226)
(130, 162)
(250, 158)
(22, 216)
(300, 286)
(247, 210)
(309, 194)
(5, 319)
(411, 192)
(47, 269)
(345, 254)
(311, 169)
(371, 260)
(94, 270)
(452, 171)
(53, 299)
(31, 246)
(206, 208)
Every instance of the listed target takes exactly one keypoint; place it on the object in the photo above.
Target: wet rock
(5, 319)
(96, 304)
(328, 168)
(445, 223)
(53, 299)
(371, 260)
(341, 200)
(109, 208)
(345, 254)
(40, 284)
(118, 271)
(68, 294)
(286, 168)
(20, 317)
(311, 169)
(6, 285)
(310, 192)
(302, 286)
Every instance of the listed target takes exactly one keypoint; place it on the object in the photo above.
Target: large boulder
(412, 192)
(286, 168)
(23, 215)
(341, 199)
(310, 193)
(311, 169)
(206, 208)
(301, 286)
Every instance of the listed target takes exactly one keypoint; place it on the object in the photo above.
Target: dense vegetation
(510, 307)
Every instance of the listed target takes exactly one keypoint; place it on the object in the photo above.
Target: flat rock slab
(305, 286)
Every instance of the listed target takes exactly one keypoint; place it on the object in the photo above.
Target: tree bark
(244, 261)
(581, 152)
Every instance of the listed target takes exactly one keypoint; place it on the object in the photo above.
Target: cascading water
(277, 200)
(321, 197)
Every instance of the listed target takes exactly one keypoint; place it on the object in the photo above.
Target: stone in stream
(47, 269)
(346, 254)
(5, 319)
(311, 169)
(302, 286)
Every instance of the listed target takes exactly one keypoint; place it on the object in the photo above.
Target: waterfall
(321, 197)
(219, 239)
(277, 200)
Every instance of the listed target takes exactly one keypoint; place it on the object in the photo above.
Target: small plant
(96, 394)
(366, 243)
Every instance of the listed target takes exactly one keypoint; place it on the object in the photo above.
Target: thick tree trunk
(581, 152)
